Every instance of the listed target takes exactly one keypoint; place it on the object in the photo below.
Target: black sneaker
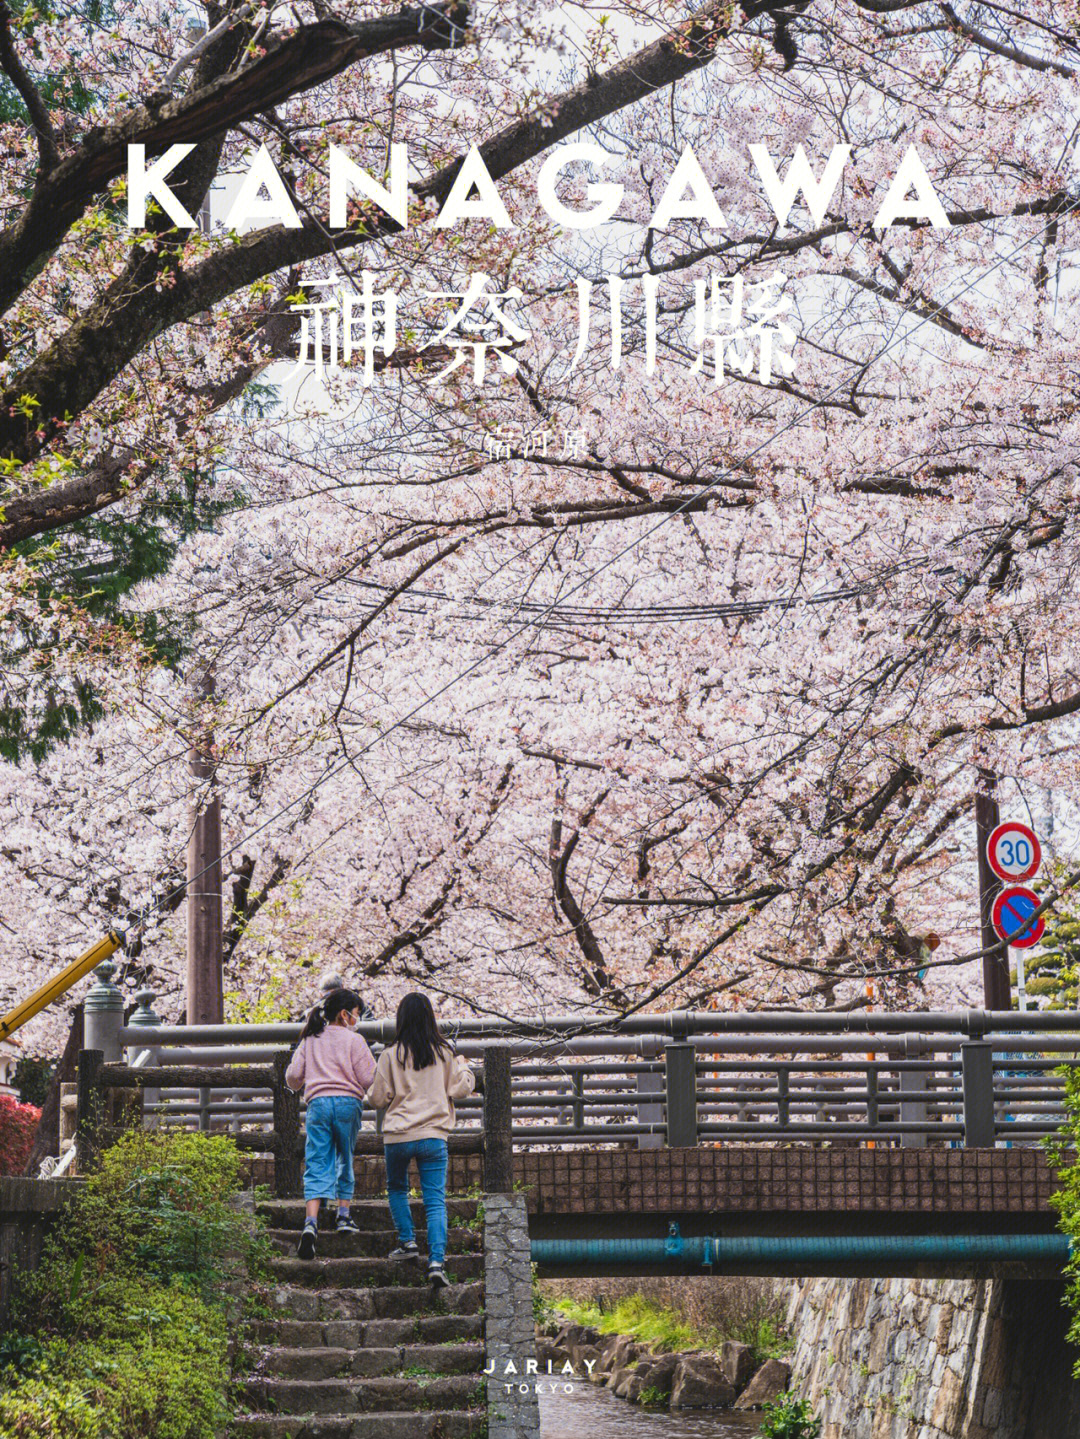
(346, 1224)
(437, 1276)
(308, 1235)
(405, 1251)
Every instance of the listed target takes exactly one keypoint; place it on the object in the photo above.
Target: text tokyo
(263, 199)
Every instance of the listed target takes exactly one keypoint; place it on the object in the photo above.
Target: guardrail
(966, 1077)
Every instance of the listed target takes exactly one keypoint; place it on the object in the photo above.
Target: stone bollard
(146, 1021)
(103, 1014)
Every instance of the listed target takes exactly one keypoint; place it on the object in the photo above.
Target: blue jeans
(430, 1156)
(333, 1122)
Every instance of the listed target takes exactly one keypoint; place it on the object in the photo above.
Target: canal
(593, 1412)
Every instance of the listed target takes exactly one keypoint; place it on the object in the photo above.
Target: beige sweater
(419, 1103)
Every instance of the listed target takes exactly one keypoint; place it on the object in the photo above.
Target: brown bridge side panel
(989, 1185)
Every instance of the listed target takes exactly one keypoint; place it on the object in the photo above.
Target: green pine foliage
(1052, 970)
(124, 1327)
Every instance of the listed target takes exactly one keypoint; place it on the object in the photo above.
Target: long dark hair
(328, 1009)
(418, 1035)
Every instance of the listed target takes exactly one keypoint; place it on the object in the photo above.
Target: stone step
(327, 1272)
(348, 1396)
(369, 1242)
(368, 1213)
(431, 1424)
(365, 1362)
(397, 1301)
(379, 1333)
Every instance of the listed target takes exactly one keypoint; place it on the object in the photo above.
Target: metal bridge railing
(956, 1077)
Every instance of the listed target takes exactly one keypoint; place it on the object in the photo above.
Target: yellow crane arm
(59, 984)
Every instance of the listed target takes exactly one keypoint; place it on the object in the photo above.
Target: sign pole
(996, 988)
(1021, 988)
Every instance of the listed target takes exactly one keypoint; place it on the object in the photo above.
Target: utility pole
(205, 998)
(997, 989)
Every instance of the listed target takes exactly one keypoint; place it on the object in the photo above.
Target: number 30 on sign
(1014, 851)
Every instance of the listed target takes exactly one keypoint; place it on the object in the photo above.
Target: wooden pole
(498, 1120)
(287, 1167)
(205, 990)
(997, 990)
(90, 1112)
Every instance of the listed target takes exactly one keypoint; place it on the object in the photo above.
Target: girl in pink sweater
(334, 1067)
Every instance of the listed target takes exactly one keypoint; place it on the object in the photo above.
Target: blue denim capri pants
(333, 1122)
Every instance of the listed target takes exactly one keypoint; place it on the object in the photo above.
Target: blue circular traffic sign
(1011, 909)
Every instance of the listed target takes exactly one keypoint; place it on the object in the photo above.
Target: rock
(634, 1388)
(619, 1376)
(622, 1387)
(607, 1347)
(768, 1383)
(571, 1334)
(582, 1353)
(700, 1383)
(557, 1354)
(625, 1352)
(659, 1374)
(545, 1350)
(737, 1362)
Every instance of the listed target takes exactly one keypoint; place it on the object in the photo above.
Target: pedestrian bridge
(765, 1142)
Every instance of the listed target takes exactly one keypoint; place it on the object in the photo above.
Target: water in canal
(593, 1412)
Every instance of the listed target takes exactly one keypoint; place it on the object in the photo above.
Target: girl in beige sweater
(417, 1079)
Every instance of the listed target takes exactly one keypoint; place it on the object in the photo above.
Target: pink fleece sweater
(334, 1062)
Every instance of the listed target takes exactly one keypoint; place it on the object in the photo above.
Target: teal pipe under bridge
(869, 1254)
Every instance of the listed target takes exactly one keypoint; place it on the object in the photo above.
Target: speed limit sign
(1013, 851)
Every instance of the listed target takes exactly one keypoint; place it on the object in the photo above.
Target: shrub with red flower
(17, 1125)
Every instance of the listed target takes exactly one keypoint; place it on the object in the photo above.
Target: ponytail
(328, 1009)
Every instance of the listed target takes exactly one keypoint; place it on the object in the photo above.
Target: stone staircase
(362, 1348)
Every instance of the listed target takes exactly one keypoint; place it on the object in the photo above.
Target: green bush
(127, 1308)
(660, 1327)
(1062, 1151)
(47, 1409)
(788, 1418)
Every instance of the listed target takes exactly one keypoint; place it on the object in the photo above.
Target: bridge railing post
(287, 1165)
(873, 1113)
(680, 1072)
(650, 1111)
(577, 1080)
(783, 1096)
(89, 1109)
(146, 1021)
(977, 1070)
(913, 1086)
(498, 1121)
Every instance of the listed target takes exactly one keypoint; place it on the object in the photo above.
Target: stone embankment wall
(934, 1359)
(28, 1210)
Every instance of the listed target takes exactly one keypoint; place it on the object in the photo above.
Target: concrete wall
(935, 1359)
(28, 1210)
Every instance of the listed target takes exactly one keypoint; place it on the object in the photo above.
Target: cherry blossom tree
(687, 712)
